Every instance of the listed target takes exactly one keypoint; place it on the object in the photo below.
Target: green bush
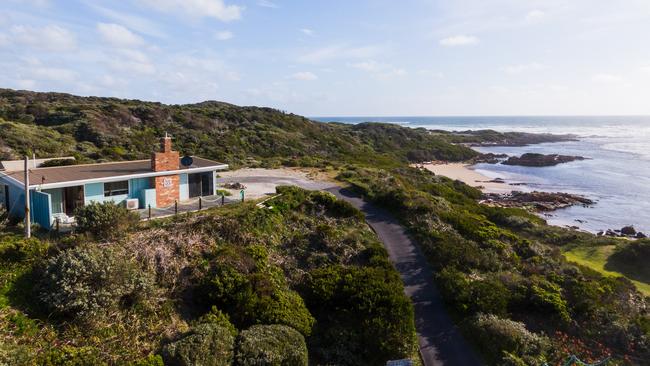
(363, 316)
(473, 296)
(205, 345)
(105, 220)
(271, 345)
(504, 340)
(251, 291)
(85, 282)
(71, 356)
(151, 360)
(217, 317)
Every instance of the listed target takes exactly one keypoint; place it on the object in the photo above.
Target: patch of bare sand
(469, 176)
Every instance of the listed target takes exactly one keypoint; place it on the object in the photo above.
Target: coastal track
(440, 340)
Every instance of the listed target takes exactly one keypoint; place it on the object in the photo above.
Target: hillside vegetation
(242, 285)
(97, 129)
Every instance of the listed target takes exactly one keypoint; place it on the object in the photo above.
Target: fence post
(223, 199)
(58, 226)
(149, 211)
(175, 207)
(200, 203)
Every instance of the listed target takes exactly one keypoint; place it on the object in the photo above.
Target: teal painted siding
(57, 199)
(41, 206)
(137, 188)
(184, 188)
(94, 192)
(149, 198)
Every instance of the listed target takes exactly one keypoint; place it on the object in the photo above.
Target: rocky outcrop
(624, 232)
(489, 158)
(541, 160)
(538, 201)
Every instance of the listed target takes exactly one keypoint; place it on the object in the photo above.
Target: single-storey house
(158, 183)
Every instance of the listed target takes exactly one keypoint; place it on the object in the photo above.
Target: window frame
(116, 192)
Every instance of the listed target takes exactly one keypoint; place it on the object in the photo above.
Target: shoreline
(464, 173)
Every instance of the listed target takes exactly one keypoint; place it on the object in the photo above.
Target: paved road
(440, 340)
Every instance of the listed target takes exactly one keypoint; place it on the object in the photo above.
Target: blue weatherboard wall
(184, 188)
(137, 189)
(16, 201)
(149, 198)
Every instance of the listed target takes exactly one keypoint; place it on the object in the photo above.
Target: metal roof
(86, 173)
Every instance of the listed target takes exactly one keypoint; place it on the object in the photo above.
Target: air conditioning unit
(132, 204)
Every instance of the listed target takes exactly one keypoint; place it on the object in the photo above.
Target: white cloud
(131, 61)
(534, 16)
(267, 4)
(198, 8)
(4, 40)
(645, 69)
(223, 35)
(118, 35)
(307, 31)
(523, 68)
(431, 73)
(304, 76)
(50, 38)
(606, 78)
(339, 52)
(138, 24)
(459, 40)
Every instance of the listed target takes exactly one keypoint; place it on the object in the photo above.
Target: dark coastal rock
(640, 235)
(628, 230)
(538, 201)
(611, 232)
(541, 160)
(494, 138)
(489, 158)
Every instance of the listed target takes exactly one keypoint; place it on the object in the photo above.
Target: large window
(116, 188)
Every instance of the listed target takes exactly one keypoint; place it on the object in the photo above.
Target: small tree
(206, 344)
(105, 220)
(271, 345)
(86, 282)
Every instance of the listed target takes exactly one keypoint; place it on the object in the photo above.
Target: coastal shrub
(106, 220)
(631, 260)
(473, 296)
(151, 360)
(503, 341)
(363, 316)
(257, 294)
(271, 345)
(71, 356)
(217, 317)
(547, 297)
(85, 282)
(205, 344)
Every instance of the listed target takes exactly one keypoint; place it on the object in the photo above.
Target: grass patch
(596, 259)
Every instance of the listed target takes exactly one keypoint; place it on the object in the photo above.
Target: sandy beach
(469, 176)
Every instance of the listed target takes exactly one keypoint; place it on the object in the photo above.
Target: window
(116, 188)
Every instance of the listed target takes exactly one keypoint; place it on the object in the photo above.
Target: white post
(28, 224)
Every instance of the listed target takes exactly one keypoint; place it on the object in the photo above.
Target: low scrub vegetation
(305, 281)
(503, 277)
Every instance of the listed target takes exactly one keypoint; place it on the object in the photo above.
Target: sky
(339, 58)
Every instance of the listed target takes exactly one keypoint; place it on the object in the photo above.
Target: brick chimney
(168, 159)
(167, 186)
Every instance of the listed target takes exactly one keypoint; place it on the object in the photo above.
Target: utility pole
(28, 224)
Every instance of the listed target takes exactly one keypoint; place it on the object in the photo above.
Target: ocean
(616, 175)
